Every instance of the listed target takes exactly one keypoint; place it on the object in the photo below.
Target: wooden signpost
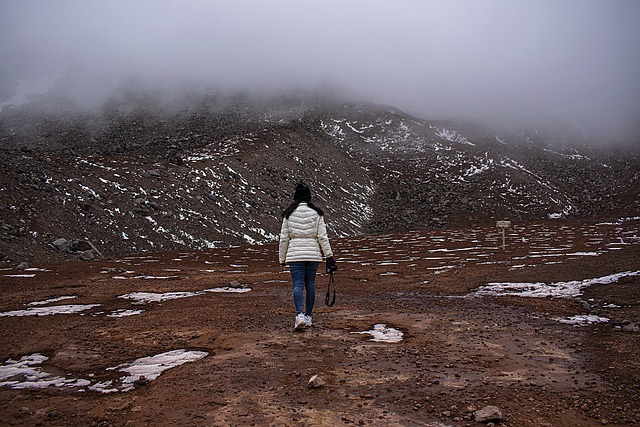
(503, 225)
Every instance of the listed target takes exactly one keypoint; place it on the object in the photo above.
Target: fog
(509, 61)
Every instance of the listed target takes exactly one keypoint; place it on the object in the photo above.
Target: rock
(53, 415)
(631, 327)
(81, 246)
(620, 322)
(23, 265)
(488, 414)
(87, 255)
(142, 381)
(316, 382)
(236, 284)
(176, 160)
(63, 245)
(585, 305)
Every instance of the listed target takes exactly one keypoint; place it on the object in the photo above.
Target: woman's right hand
(331, 265)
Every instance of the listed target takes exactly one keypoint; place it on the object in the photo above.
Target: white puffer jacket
(303, 236)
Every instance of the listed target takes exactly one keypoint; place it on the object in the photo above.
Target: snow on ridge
(475, 170)
(34, 86)
(452, 136)
(565, 212)
(334, 130)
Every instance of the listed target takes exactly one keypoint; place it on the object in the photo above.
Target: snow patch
(48, 311)
(381, 333)
(581, 320)
(49, 301)
(228, 289)
(151, 367)
(452, 136)
(124, 313)
(27, 372)
(150, 297)
(571, 288)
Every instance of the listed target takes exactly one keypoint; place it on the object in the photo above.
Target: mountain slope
(137, 177)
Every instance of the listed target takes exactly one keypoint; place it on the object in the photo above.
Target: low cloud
(575, 61)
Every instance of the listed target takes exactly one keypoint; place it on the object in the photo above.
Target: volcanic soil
(464, 345)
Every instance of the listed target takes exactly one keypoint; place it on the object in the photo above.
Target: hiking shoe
(307, 320)
(299, 322)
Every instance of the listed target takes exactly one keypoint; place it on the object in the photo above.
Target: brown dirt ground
(459, 353)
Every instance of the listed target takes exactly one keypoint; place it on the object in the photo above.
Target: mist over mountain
(145, 172)
(508, 64)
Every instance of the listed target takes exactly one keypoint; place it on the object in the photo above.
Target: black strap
(327, 299)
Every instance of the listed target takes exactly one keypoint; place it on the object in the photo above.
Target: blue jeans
(303, 276)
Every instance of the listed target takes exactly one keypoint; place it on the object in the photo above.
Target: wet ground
(205, 338)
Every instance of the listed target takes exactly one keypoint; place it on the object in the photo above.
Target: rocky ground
(227, 312)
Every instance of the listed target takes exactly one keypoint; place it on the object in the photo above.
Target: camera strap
(327, 299)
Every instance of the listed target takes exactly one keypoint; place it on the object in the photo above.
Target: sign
(503, 225)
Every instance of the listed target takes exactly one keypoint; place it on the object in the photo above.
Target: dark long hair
(302, 194)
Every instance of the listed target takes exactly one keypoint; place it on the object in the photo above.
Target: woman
(303, 243)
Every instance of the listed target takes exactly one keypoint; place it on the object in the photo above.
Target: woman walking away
(303, 243)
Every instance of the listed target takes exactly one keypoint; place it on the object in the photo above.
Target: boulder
(316, 382)
(81, 246)
(237, 285)
(631, 327)
(87, 255)
(63, 245)
(86, 248)
(488, 414)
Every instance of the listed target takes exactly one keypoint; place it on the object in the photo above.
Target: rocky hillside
(140, 175)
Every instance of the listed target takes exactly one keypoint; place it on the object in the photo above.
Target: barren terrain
(470, 336)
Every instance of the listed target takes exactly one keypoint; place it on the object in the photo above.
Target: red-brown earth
(461, 349)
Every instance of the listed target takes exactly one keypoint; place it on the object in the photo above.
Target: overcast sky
(573, 60)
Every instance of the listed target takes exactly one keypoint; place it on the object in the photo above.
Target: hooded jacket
(303, 236)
